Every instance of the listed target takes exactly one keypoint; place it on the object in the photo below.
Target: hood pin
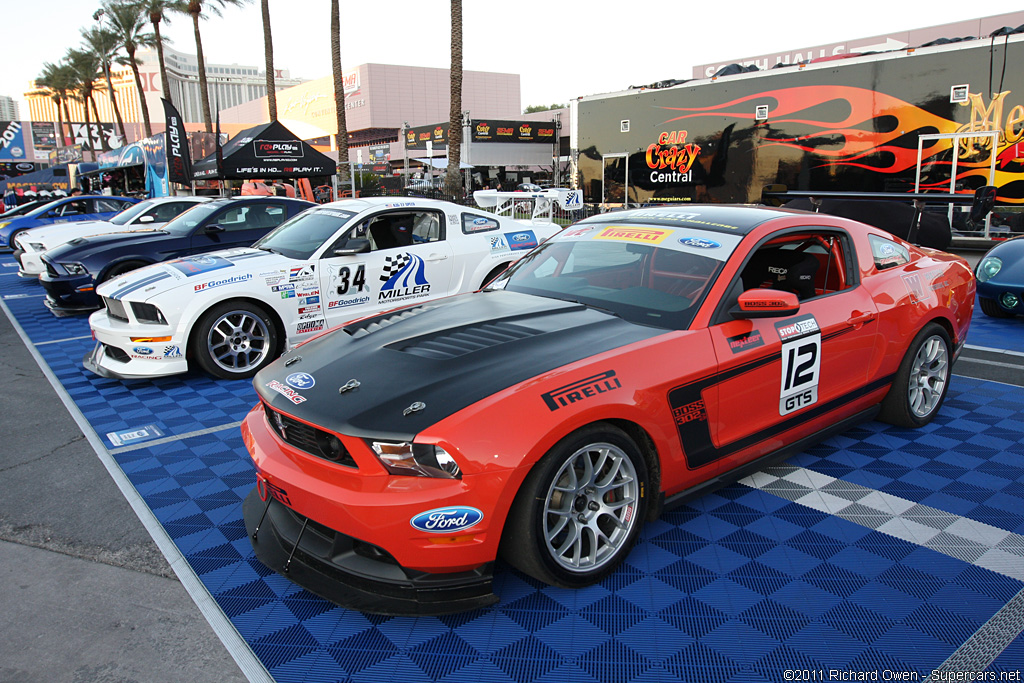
(414, 408)
(292, 361)
(348, 386)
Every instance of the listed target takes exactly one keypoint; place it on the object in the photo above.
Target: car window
(73, 208)
(109, 205)
(164, 212)
(399, 229)
(887, 253)
(473, 223)
(809, 264)
(250, 217)
(650, 276)
(188, 220)
(301, 236)
(132, 211)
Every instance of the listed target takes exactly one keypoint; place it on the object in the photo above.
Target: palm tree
(105, 44)
(194, 8)
(339, 93)
(157, 11)
(85, 67)
(268, 50)
(128, 22)
(59, 80)
(452, 181)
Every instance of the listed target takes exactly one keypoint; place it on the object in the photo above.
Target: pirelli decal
(581, 390)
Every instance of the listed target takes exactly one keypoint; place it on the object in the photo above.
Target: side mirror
(146, 219)
(214, 228)
(765, 303)
(355, 245)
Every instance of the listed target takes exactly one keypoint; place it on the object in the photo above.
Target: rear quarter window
(473, 223)
(886, 253)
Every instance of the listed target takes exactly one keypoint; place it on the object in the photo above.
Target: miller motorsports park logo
(275, 149)
(404, 278)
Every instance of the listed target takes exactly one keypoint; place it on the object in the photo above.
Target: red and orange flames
(861, 128)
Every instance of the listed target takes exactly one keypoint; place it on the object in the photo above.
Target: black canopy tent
(266, 151)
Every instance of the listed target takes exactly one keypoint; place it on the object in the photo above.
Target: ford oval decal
(699, 243)
(300, 380)
(447, 520)
(143, 350)
(521, 237)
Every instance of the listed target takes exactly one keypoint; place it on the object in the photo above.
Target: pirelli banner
(497, 130)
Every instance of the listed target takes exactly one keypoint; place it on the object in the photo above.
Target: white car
(147, 215)
(233, 311)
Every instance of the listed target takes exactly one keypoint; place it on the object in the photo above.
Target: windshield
(132, 211)
(301, 236)
(647, 275)
(186, 222)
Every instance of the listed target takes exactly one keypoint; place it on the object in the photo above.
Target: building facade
(8, 109)
(229, 85)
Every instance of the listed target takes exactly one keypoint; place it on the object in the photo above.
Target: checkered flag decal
(393, 264)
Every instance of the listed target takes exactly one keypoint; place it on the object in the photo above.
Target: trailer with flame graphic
(947, 118)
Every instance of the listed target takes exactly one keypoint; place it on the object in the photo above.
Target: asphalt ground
(87, 595)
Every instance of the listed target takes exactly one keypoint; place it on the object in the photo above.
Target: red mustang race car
(631, 361)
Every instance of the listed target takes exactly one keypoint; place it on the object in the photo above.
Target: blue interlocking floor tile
(739, 585)
(996, 333)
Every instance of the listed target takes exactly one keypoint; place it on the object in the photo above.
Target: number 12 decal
(801, 363)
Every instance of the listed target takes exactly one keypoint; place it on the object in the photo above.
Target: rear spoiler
(982, 201)
(541, 204)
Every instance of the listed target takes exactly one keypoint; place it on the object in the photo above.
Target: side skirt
(706, 487)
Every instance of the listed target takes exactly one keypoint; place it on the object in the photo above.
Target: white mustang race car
(233, 311)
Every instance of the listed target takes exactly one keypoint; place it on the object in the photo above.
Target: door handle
(437, 257)
(858, 318)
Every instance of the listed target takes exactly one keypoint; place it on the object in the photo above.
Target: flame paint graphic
(860, 128)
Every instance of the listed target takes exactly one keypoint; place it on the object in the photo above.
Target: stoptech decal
(747, 340)
(226, 281)
(447, 520)
(285, 391)
(581, 390)
(404, 277)
(801, 363)
(196, 265)
(641, 235)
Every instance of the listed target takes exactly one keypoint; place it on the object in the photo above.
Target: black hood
(83, 249)
(446, 355)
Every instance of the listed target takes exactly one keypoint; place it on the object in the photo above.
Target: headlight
(148, 313)
(989, 268)
(74, 268)
(416, 459)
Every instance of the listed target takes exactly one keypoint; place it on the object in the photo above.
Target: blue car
(74, 269)
(81, 208)
(1000, 276)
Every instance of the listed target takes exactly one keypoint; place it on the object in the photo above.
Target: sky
(562, 49)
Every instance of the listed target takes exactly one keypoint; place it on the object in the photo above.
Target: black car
(74, 269)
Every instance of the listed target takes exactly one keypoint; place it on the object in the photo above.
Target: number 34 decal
(801, 363)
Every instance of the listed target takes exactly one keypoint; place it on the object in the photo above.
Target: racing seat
(383, 237)
(401, 230)
(787, 270)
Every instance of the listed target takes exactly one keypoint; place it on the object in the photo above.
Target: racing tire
(121, 269)
(922, 380)
(234, 340)
(579, 511)
(992, 309)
